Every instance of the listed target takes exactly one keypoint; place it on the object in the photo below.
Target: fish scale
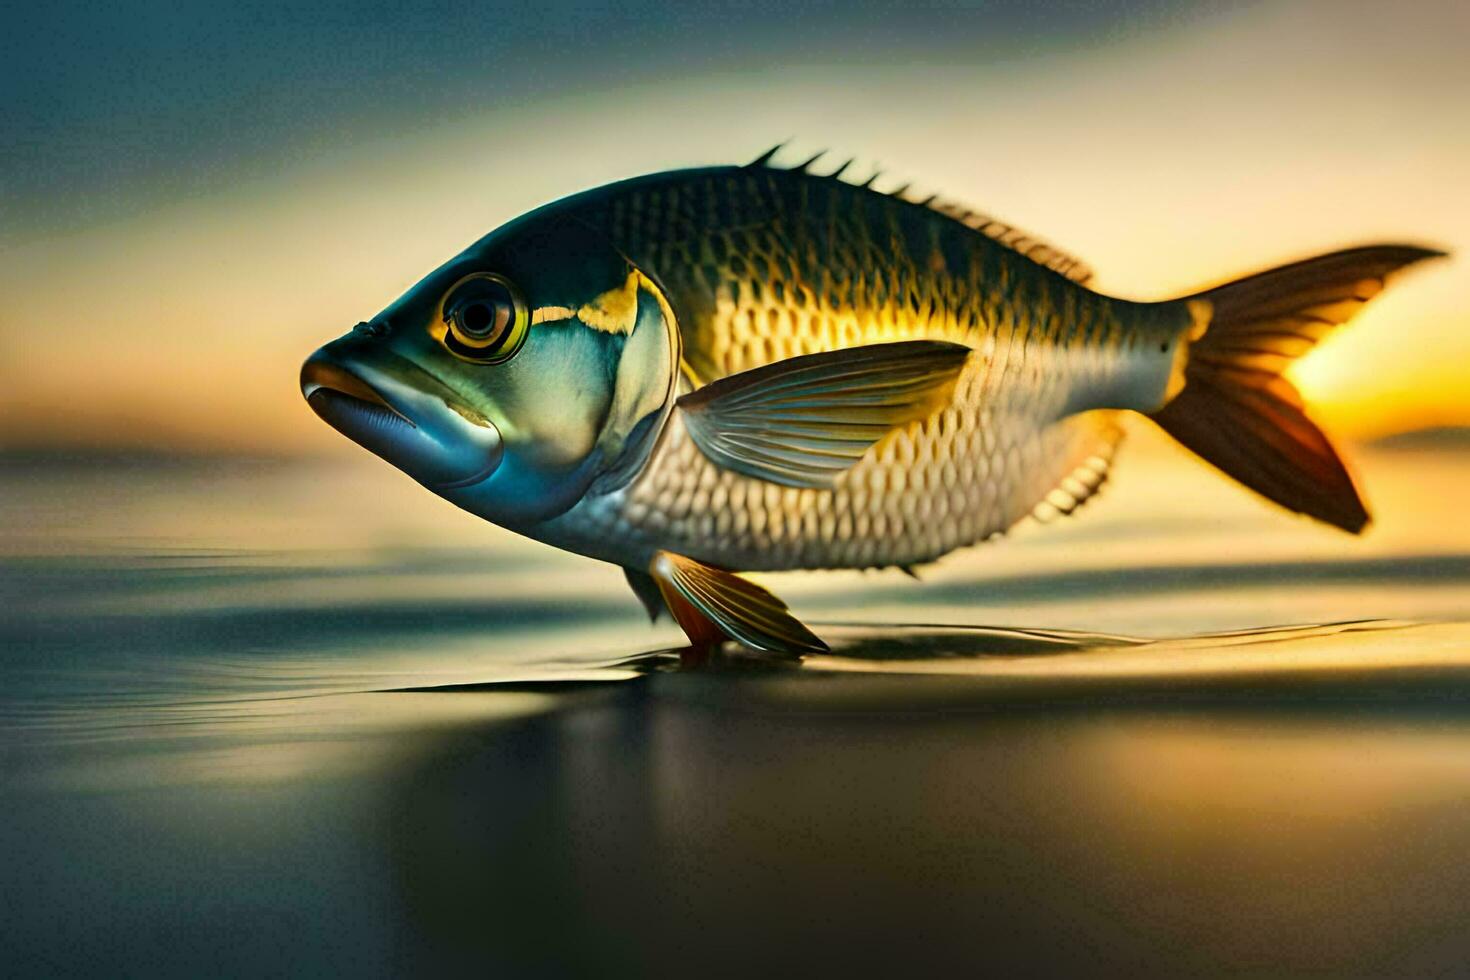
(791, 264)
(701, 372)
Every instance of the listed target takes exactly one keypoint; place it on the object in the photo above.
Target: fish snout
(398, 411)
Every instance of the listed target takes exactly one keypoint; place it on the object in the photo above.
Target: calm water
(303, 717)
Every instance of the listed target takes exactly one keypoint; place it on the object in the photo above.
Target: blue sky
(108, 108)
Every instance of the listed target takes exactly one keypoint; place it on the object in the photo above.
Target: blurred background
(192, 198)
(195, 198)
(202, 586)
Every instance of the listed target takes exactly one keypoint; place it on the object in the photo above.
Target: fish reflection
(770, 822)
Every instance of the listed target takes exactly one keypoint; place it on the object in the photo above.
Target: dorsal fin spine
(806, 167)
(1035, 249)
(765, 158)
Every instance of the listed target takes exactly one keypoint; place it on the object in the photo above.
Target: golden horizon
(184, 327)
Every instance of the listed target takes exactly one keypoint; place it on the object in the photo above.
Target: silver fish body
(728, 369)
(760, 266)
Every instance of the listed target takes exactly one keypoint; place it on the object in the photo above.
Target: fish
(707, 372)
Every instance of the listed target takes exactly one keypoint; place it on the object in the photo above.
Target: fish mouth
(334, 392)
(399, 412)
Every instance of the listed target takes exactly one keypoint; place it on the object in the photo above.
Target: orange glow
(1156, 159)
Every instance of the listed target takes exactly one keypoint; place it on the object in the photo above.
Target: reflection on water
(232, 694)
(667, 831)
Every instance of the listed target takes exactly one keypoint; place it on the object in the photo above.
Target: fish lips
(398, 411)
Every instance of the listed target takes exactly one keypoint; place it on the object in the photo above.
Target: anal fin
(711, 605)
(1086, 444)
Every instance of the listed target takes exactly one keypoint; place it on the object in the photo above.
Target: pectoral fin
(712, 605)
(801, 421)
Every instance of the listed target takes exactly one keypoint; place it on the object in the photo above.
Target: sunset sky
(190, 203)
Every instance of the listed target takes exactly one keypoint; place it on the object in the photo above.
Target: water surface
(265, 716)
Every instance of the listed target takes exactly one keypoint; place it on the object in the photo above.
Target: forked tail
(1238, 412)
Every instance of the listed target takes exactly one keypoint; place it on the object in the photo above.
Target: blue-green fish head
(535, 366)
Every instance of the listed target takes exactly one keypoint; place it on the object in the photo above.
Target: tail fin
(1239, 413)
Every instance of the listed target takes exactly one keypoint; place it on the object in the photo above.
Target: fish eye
(482, 319)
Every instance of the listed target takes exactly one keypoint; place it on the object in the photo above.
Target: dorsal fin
(806, 167)
(1013, 238)
(764, 160)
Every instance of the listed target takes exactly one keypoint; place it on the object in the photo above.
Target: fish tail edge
(1235, 408)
